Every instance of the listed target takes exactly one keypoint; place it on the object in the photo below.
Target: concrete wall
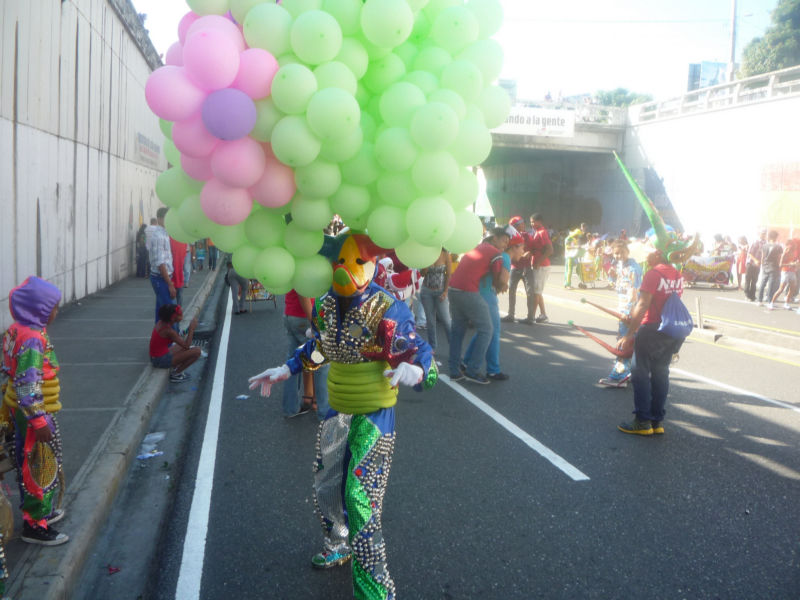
(80, 149)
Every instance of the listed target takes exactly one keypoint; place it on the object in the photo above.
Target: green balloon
(383, 72)
(320, 179)
(357, 224)
(298, 7)
(464, 192)
(290, 58)
(432, 59)
(302, 243)
(398, 103)
(193, 220)
(274, 267)
(346, 12)
(387, 226)
(264, 229)
(416, 255)
(466, 234)
(312, 276)
(362, 169)
(434, 172)
(474, 114)
(166, 128)
(430, 220)
(267, 26)
(293, 87)
(267, 115)
(424, 80)
(396, 189)
(333, 114)
(354, 55)
(373, 108)
(343, 148)
(495, 104)
(311, 213)
(407, 51)
(294, 143)
(337, 75)
(315, 37)
(434, 7)
(450, 98)
(487, 55)
(173, 185)
(395, 150)
(417, 5)
(172, 223)
(228, 237)
(464, 77)
(454, 28)
(472, 144)
(240, 8)
(434, 126)
(421, 33)
(368, 126)
(386, 23)
(244, 258)
(172, 153)
(208, 7)
(374, 52)
(350, 201)
(489, 14)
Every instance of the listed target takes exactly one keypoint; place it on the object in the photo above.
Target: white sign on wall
(523, 120)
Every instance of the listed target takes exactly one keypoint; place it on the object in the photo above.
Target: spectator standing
(541, 250)
(754, 265)
(652, 349)
(168, 350)
(433, 295)
(158, 248)
(741, 261)
(788, 266)
(141, 252)
(178, 250)
(187, 264)
(520, 271)
(769, 278)
(213, 253)
(239, 287)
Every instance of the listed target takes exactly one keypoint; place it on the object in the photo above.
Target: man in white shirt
(161, 262)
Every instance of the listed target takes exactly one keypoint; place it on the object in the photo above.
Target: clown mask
(354, 267)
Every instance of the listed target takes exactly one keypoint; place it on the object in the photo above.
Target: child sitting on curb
(170, 350)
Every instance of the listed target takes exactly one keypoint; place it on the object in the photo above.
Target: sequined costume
(31, 397)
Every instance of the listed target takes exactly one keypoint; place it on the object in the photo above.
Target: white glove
(310, 333)
(269, 377)
(405, 373)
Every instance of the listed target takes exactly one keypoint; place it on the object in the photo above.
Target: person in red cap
(520, 271)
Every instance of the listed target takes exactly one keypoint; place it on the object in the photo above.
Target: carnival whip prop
(613, 313)
(613, 349)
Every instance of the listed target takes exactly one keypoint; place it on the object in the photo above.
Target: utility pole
(732, 60)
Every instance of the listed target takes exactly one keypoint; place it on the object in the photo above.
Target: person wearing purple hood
(29, 382)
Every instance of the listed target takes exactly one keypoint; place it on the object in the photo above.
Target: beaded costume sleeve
(32, 364)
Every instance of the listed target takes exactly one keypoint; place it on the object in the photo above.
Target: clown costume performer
(369, 339)
(30, 401)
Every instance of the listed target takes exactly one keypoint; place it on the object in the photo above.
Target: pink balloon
(211, 59)
(239, 163)
(197, 168)
(171, 95)
(276, 186)
(223, 204)
(175, 55)
(192, 138)
(257, 67)
(186, 22)
(220, 24)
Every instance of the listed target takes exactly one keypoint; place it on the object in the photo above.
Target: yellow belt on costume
(361, 388)
(50, 391)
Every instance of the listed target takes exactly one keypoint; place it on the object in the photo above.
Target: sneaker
(658, 427)
(636, 427)
(476, 378)
(770, 306)
(542, 319)
(787, 306)
(328, 559)
(303, 410)
(497, 376)
(178, 377)
(613, 383)
(508, 319)
(527, 321)
(56, 516)
(33, 534)
(457, 377)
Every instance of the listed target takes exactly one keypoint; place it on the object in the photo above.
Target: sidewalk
(109, 390)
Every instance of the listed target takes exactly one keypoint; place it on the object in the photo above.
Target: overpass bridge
(720, 159)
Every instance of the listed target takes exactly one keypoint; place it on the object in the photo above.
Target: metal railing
(760, 88)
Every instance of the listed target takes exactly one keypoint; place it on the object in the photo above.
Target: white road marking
(525, 437)
(194, 545)
(735, 390)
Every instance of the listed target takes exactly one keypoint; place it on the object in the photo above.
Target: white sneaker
(770, 306)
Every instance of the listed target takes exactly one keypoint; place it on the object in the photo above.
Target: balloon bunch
(371, 109)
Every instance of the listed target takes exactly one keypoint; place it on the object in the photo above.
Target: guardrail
(760, 88)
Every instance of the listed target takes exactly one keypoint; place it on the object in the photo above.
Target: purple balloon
(229, 114)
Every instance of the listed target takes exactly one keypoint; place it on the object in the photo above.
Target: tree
(779, 48)
(621, 97)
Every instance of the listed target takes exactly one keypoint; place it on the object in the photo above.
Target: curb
(52, 573)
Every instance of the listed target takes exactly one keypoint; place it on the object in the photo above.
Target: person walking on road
(161, 268)
(239, 287)
(754, 265)
(433, 296)
(520, 271)
(769, 279)
(541, 250)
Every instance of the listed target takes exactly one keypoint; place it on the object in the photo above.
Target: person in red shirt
(167, 348)
(178, 258)
(541, 249)
(652, 349)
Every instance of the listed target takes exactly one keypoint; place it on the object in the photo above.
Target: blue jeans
(767, 285)
(161, 289)
(493, 351)
(466, 307)
(652, 353)
(296, 336)
(436, 309)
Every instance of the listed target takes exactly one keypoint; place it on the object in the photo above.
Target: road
(515, 490)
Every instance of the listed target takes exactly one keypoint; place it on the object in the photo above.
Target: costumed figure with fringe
(369, 339)
(30, 400)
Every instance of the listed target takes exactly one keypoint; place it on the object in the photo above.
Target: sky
(570, 47)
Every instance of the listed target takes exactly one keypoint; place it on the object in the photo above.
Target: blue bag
(676, 321)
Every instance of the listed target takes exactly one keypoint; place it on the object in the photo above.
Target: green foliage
(779, 48)
(621, 97)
